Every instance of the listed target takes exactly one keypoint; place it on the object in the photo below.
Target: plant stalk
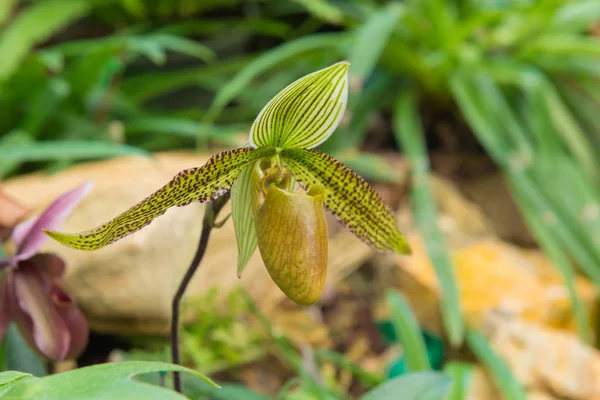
(208, 223)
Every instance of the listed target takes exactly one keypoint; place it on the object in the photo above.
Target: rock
(11, 213)
(127, 287)
(545, 360)
(493, 276)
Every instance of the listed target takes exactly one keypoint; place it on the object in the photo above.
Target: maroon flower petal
(20, 231)
(40, 324)
(73, 318)
(5, 309)
(51, 218)
(50, 264)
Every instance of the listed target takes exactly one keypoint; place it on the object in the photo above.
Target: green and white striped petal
(243, 219)
(197, 184)
(356, 205)
(305, 113)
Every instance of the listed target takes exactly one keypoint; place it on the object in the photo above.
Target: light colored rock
(493, 276)
(127, 286)
(547, 360)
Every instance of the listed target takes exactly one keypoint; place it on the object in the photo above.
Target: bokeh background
(477, 121)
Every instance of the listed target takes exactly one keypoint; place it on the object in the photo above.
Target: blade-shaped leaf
(371, 39)
(349, 197)
(306, 112)
(243, 219)
(196, 184)
(408, 330)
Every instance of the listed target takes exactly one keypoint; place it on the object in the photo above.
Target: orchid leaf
(196, 184)
(348, 197)
(243, 219)
(306, 112)
(105, 381)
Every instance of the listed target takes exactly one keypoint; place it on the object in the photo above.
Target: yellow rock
(546, 361)
(493, 276)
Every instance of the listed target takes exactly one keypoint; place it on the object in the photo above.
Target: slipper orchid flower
(286, 225)
(31, 291)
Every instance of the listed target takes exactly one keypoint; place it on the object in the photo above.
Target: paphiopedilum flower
(287, 226)
(31, 290)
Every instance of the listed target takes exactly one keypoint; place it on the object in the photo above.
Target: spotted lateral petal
(348, 197)
(197, 184)
(305, 113)
(243, 219)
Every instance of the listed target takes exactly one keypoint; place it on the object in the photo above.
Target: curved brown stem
(208, 223)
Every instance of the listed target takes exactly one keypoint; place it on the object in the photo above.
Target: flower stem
(212, 210)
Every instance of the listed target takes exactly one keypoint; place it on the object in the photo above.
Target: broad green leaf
(9, 379)
(111, 381)
(305, 113)
(348, 197)
(418, 386)
(408, 331)
(34, 24)
(371, 39)
(243, 219)
(500, 372)
(196, 184)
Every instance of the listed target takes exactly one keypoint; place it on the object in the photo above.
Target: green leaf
(306, 112)
(243, 218)
(9, 379)
(183, 45)
(179, 127)
(266, 61)
(111, 381)
(323, 10)
(418, 386)
(348, 197)
(196, 184)
(6, 9)
(371, 39)
(66, 150)
(409, 132)
(461, 374)
(408, 331)
(575, 16)
(501, 374)
(34, 24)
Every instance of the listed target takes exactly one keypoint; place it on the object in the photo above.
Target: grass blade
(266, 61)
(409, 133)
(34, 24)
(370, 41)
(67, 150)
(408, 331)
(500, 372)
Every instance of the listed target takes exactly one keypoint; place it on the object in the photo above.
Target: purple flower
(31, 291)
